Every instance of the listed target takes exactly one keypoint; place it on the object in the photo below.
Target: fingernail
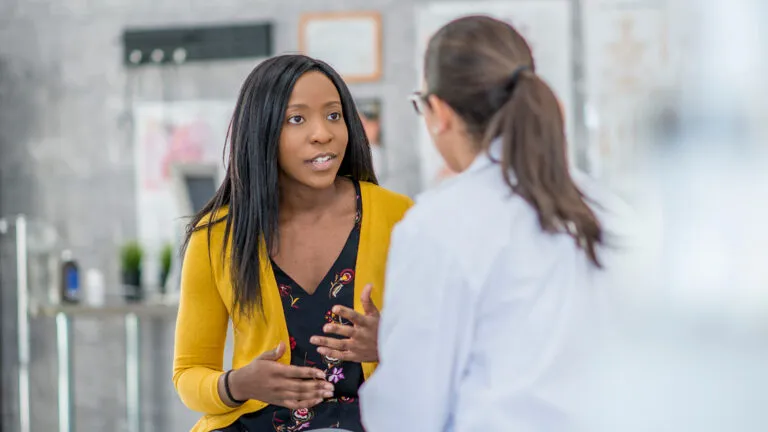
(320, 375)
(313, 339)
(327, 328)
(336, 309)
(329, 387)
(328, 394)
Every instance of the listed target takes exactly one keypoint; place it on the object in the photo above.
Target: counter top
(142, 309)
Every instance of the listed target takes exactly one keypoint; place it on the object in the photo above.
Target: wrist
(234, 382)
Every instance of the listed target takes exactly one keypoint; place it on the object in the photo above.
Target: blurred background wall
(67, 155)
(67, 158)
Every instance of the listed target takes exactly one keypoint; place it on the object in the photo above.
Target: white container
(95, 291)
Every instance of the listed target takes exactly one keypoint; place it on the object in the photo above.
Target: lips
(322, 161)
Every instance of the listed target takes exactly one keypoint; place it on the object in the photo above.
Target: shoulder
(208, 232)
(470, 216)
(392, 204)
(467, 199)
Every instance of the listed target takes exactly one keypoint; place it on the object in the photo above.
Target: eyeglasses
(419, 101)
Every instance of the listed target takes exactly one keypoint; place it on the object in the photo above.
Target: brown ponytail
(484, 70)
(531, 128)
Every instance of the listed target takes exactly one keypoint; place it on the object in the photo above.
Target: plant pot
(132, 286)
(163, 280)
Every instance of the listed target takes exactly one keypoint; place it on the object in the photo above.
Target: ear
(442, 114)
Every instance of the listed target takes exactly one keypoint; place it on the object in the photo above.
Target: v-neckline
(356, 226)
(327, 273)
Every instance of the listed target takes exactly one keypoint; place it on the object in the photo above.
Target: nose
(321, 134)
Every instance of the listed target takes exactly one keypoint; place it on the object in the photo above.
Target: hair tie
(498, 96)
(515, 77)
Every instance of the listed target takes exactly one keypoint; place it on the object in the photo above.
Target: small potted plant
(131, 256)
(166, 258)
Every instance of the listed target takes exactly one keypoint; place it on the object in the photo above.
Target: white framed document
(348, 41)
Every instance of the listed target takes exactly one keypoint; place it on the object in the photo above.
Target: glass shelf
(140, 309)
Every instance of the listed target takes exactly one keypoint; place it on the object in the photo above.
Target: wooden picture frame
(351, 42)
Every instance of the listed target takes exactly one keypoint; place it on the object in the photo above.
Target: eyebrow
(327, 104)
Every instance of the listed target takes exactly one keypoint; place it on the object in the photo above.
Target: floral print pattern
(336, 375)
(300, 420)
(341, 279)
(302, 415)
(285, 291)
(305, 316)
(331, 317)
(330, 362)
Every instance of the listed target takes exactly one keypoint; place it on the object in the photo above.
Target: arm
(201, 331)
(423, 337)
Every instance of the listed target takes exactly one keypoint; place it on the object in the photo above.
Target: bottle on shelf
(70, 278)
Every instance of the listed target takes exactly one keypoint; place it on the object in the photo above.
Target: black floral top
(305, 316)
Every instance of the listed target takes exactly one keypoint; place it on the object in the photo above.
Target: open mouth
(322, 161)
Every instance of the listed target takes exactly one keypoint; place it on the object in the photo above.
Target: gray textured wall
(66, 158)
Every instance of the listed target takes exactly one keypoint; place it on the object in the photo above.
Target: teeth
(321, 159)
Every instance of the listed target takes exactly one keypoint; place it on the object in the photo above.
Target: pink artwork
(166, 135)
(167, 144)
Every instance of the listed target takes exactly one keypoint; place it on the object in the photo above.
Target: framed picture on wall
(348, 41)
(370, 114)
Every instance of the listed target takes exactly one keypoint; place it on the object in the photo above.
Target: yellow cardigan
(206, 307)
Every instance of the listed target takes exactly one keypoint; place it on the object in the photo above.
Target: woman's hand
(361, 343)
(288, 386)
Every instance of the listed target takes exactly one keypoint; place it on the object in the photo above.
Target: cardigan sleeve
(201, 331)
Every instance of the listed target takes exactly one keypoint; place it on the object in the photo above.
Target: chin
(322, 183)
(318, 180)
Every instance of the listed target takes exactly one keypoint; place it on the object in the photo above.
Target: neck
(296, 198)
(466, 152)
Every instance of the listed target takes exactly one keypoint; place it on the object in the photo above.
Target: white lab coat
(487, 319)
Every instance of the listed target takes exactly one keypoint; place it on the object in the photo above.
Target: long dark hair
(250, 188)
(483, 69)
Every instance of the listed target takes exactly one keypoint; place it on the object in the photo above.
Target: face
(314, 136)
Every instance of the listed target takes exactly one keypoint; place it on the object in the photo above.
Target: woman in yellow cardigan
(291, 251)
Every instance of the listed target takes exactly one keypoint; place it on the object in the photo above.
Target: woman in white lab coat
(492, 276)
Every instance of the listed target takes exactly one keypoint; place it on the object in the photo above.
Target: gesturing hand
(266, 380)
(361, 340)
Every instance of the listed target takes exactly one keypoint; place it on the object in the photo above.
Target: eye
(334, 116)
(296, 119)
